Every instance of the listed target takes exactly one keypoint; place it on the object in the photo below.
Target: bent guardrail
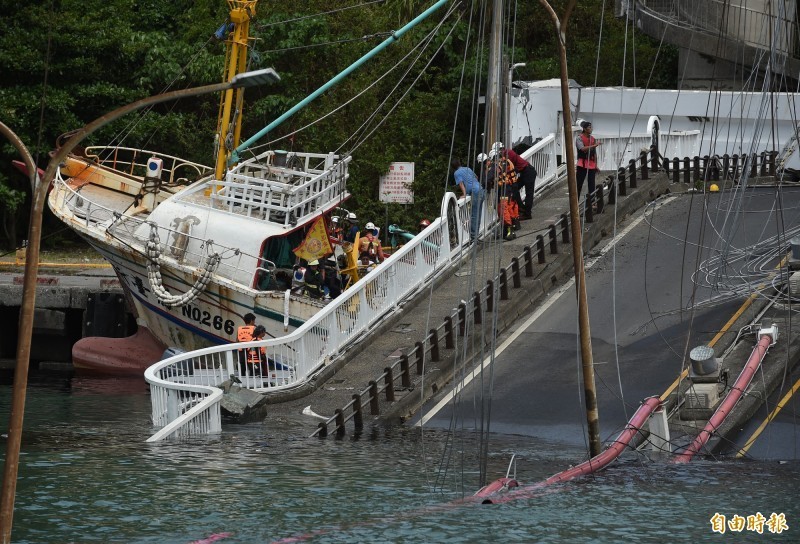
(294, 359)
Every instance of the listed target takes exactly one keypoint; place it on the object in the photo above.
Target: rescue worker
(314, 280)
(586, 146)
(258, 355)
(369, 247)
(501, 172)
(335, 233)
(424, 224)
(350, 228)
(526, 178)
(245, 334)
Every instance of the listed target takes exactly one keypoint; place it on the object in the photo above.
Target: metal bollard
(449, 341)
(540, 248)
(358, 418)
(612, 190)
(516, 280)
(435, 345)
(322, 429)
(565, 223)
(419, 347)
(462, 318)
(687, 171)
(503, 285)
(621, 187)
(643, 165)
(489, 295)
(339, 422)
(405, 373)
(528, 261)
(551, 234)
(632, 171)
(389, 382)
(476, 313)
(374, 403)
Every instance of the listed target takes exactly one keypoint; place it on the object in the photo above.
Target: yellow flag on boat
(316, 244)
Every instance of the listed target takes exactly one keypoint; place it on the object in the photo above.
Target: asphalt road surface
(667, 284)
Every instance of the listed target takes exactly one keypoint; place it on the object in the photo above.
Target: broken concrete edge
(514, 308)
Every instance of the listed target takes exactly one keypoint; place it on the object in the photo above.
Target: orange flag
(316, 245)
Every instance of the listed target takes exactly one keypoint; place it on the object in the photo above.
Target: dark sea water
(87, 475)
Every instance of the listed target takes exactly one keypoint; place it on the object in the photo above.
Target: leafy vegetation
(66, 63)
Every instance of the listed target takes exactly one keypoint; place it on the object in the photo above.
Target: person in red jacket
(526, 178)
(586, 146)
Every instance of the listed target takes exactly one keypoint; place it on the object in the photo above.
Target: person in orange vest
(370, 246)
(257, 356)
(245, 334)
(587, 146)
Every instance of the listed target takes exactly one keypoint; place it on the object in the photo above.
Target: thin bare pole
(587, 361)
(8, 492)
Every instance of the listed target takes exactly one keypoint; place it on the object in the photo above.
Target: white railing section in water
(295, 358)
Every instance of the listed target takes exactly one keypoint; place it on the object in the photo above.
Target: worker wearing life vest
(369, 246)
(587, 146)
(257, 355)
(245, 334)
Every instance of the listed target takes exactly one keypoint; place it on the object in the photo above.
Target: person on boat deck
(315, 278)
(351, 228)
(468, 182)
(245, 334)
(526, 178)
(336, 231)
(257, 356)
(369, 246)
(587, 146)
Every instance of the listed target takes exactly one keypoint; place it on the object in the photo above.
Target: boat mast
(229, 124)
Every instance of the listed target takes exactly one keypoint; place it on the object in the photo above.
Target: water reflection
(87, 475)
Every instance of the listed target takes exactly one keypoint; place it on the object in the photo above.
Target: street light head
(255, 78)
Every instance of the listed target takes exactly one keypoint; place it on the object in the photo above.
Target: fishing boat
(196, 247)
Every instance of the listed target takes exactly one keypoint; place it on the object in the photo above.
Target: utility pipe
(587, 467)
(767, 338)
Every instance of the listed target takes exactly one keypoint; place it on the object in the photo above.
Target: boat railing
(283, 194)
(128, 228)
(295, 358)
(133, 162)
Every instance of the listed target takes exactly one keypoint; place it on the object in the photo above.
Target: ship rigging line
(373, 115)
(266, 25)
(253, 149)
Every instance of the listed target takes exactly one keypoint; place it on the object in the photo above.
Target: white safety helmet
(496, 147)
(482, 157)
(370, 226)
(492, 154)
(351, 216)
(313, 263)
(335, 219)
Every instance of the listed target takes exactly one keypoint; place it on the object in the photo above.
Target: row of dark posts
(705, 168)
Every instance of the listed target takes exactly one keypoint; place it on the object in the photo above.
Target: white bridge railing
(185, 399)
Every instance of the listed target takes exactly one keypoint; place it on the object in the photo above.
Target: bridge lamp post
(40, 186)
